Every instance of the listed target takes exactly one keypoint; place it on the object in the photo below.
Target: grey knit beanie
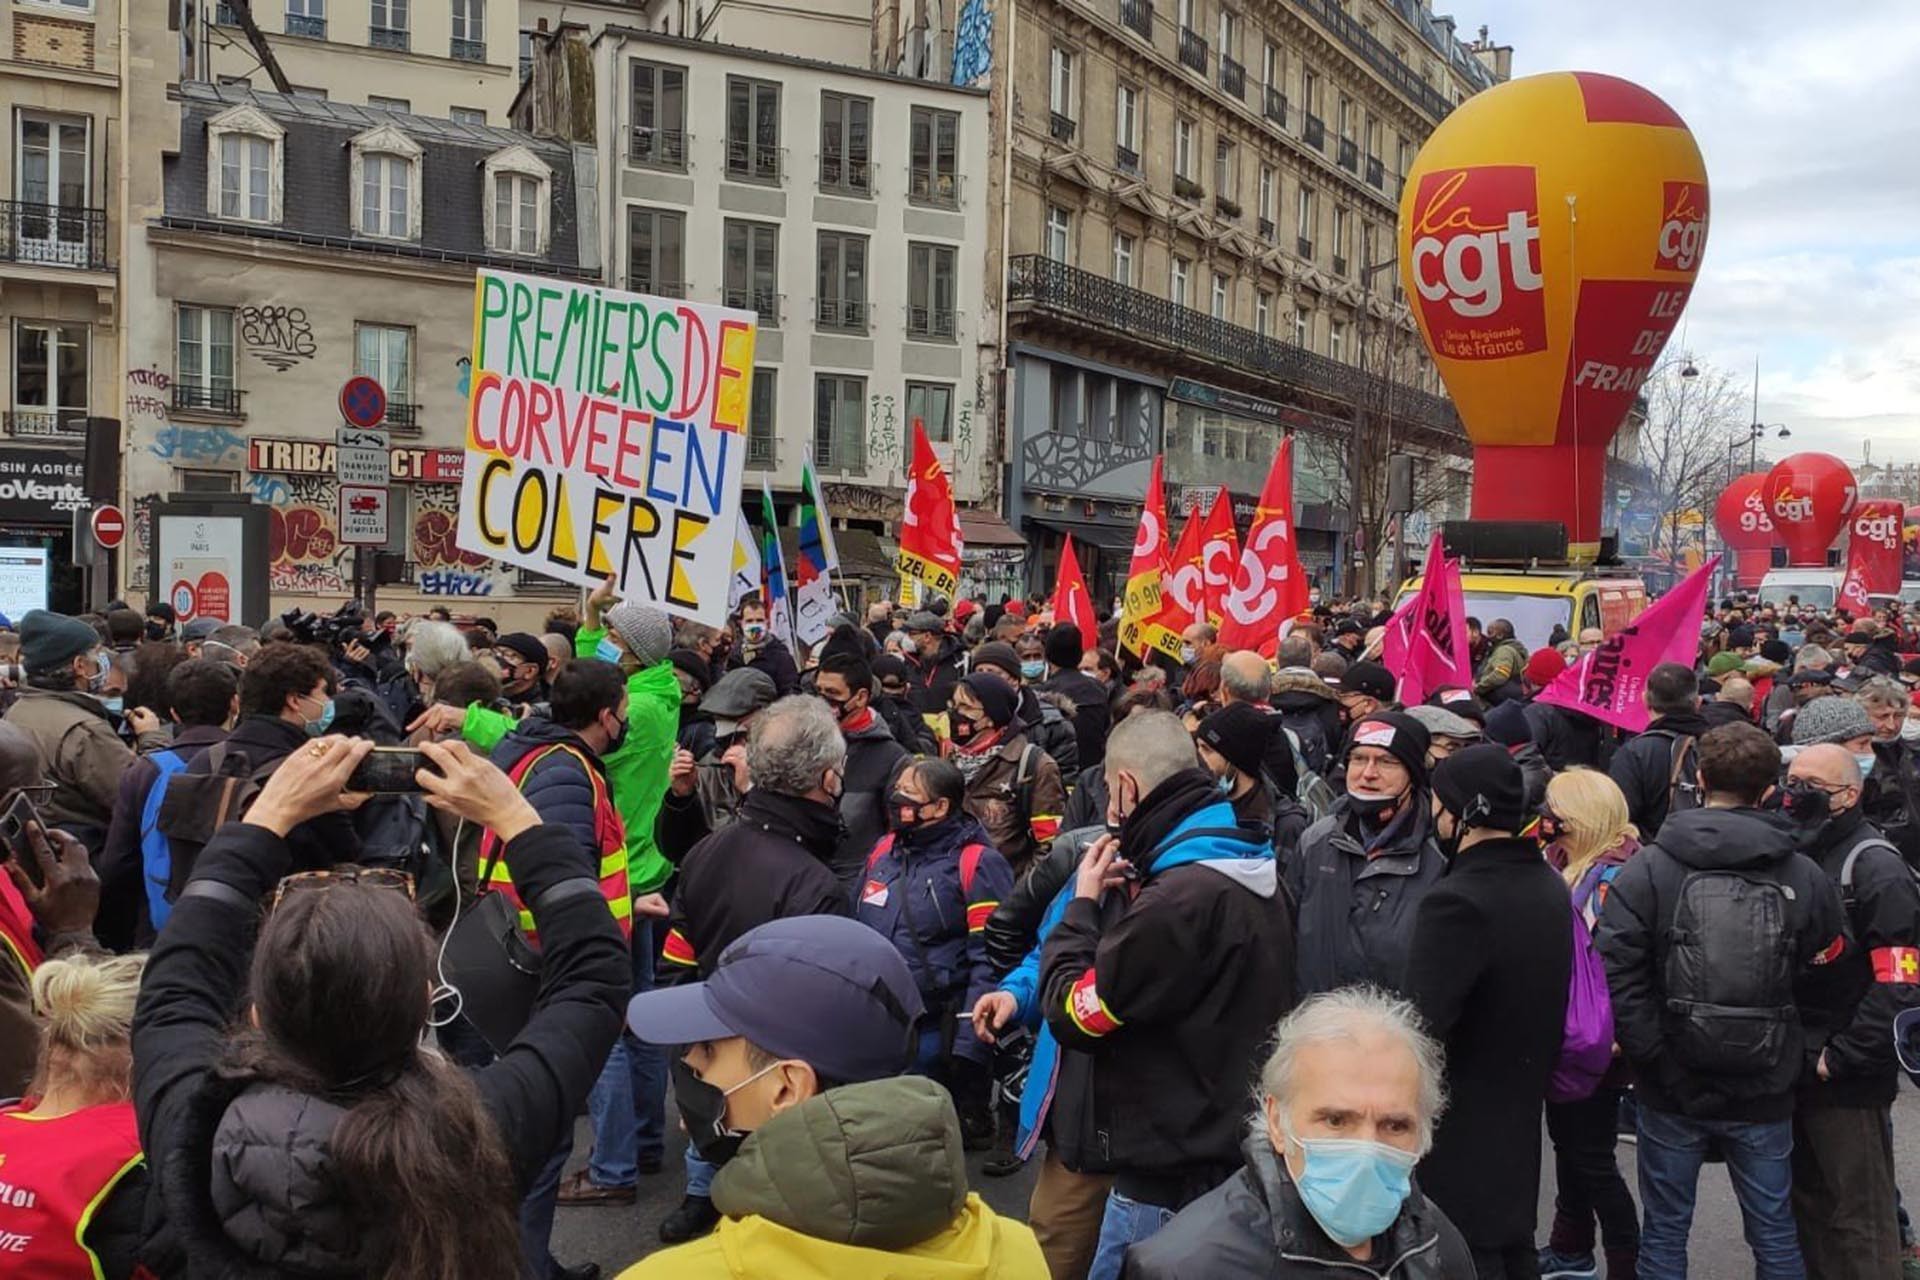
(1830, 719)
(643, 629)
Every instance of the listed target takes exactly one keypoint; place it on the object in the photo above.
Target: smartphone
(390, 771)
(13, 836)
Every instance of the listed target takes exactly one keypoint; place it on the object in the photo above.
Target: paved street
(616, 1237)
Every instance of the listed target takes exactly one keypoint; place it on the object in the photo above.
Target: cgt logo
(1753, 516)
(1683, 227)
(1476, 258)
(1790, 509)
(1883, 529)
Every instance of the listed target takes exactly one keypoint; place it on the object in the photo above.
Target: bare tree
(1684, 446)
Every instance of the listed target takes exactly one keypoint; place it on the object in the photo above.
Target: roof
(357, 118)
(637, 36)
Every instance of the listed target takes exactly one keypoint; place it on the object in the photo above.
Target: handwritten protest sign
(606, 434)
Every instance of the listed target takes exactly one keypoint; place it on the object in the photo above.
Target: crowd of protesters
(1253, 969)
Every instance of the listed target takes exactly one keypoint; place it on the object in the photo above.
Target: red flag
(1607, 683)
(1071, 603)
(1140, 626)
(1183, 595)
(1873, 555)
(1268, 586)
(1219, 554)
(930, 525)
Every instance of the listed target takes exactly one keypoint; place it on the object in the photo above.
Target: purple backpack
(1586, 1040)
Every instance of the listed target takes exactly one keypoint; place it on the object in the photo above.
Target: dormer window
(386, 184)
(518, 187)
(244, 157)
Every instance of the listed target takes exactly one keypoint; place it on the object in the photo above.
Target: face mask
(1188, 653)
(102, 664)
(1449, 844)
(904, 813)
(838, 707)
(619, 739)
(1910, 730)
(607, 651)
(317, 727)
(116, 704)
(1550, 828)
(1353, 1188)
(1033, 668)
(1866, 765)
(1804, 803)
(704, 1109)
(1373, 803)
(754, 632)
(962, 728)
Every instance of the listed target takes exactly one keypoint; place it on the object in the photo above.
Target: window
(656, 248)
(751, 268)
(1337, 339)
(846, 140)
(388, 29)
(1229, 34)
(761, 431)
(1059, 243)
(839, 442)
(659, 116)
(1222, 296)
(526, 54)
(467, 115)
(1126, 124)
(384, 185)
(1268, 180)
(1339, 239)
(1367, 261)
(389, 104)
(208, 481)
(1263, 313)
(1178, 273)
(842, 282)
(1061, 93)
(52, 178)
(469, 30)
(1305, 220)
(49, 375)
(934, 174)
(1122, 258)
(307, 18)
(1309, 91)
(516, 204)
(203, 363)
(753, 129)
(931, 403)
(1189, 20)
(1225, 184)
(1273, 67)
(1345, 121)
(1302, 327)
(931, 291)
(384, 352)
(1183, 149)
(246, 177)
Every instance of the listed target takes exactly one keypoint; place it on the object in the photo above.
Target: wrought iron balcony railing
(1187, 188)
(402, 418)
(1193, 49)
(761, 450)
(1233, 77)
(191, 397)
(1367, 47)
(1376, 173)
(1126, 160)
(1276, 106)
(1062, 127)
(663, 148)
(845, 176)
(933, 187)
(848, 315)
(467, 50)
(300, 24)
(45, 424)
(766, 303)
(387, 37)
(755, 161)
(45, 235)
(1313, 132)
(932, 322)
(1266, 228)
(1137, 16)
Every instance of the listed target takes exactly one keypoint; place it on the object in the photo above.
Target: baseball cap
(1370, 679)
(1442, 723)
(200, 628)
(826, 990)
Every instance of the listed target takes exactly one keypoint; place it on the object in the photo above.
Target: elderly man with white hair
(1346, 1103)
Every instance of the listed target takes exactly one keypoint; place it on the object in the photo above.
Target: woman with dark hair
(323, 1139)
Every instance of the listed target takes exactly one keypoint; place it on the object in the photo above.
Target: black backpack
(1728, 974)
(1683, 771)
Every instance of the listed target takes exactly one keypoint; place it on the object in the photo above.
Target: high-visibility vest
(16, 928)
(54, 1174)
(611, 839)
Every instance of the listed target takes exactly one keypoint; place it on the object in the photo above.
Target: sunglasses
(377, 877)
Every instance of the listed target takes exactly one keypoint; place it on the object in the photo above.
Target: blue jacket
(913, 894)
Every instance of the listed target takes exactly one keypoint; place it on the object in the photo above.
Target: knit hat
(965, 609)
(1544, 667)
(1400, 736)
(890, 666)
(999, 655)
(1369, 678)
(694, 665)
(1482, 786)
(1830, 719)
(999, 699)
(1442, 723)
(1239, 732)
(1507, 725)
(52, 640)
(1721, 663)
(1777, 651)
(643, 629)
(1065, 645)
(200, 628)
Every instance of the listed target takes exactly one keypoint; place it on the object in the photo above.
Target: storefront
(40, 490)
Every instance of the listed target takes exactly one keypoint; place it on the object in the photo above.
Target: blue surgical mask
(607, 651)
(1353, 1188)
(1033, 669)
(1866, 765)
(114, 705)
(317, 727)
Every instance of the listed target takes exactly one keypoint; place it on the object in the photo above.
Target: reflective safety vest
(16, 928)
(54, 1174)
(610, 837)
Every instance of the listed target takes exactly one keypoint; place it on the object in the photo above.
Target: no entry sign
(109, 526)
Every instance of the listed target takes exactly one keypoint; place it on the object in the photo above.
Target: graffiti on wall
(280, 337)
(454, 582)
(303, 541)
(140, 572)
(973, 42)
(861, 502)
(265, 487)
(198, 446)
(442, 567)
(147, 394)
(883, 434)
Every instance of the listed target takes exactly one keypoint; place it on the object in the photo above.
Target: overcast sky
(1809, 119)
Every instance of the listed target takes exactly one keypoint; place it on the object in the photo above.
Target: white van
(1813, 587)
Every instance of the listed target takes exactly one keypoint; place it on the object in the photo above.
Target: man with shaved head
(1842, 1163)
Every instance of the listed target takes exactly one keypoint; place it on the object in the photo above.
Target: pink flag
(1607, 683)
(1426, 641)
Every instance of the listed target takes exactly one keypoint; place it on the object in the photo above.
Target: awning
(861, 555)
(986, 529)
(1109, 537)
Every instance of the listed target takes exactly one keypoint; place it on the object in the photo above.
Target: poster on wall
(606, 435)
(23, 580)
(200, 566)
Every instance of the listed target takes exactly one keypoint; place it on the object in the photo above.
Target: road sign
(109, 526)
(360, 456)
(363, 402)
(363, 515)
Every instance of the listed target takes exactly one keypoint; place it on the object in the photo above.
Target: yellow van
(1537, 601)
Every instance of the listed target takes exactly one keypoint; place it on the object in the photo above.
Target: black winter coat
(1356, 912)
(123, 883)
(1092, 717)
(1565, 737)
(558, 787)
(1643, 769)
(317, 843)
(193, 990)
(932, 682)
(1634, 939)
(873, 762)
(906, 726)
(775, 660)
(1255, 1225)
(1087, 802)
(1046, 726)
(1488, 967)
(1014, 926)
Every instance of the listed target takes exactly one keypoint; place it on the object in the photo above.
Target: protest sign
(606, 435)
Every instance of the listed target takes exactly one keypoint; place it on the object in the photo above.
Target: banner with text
(1873, 555)
(605, 435)
(1607, 683)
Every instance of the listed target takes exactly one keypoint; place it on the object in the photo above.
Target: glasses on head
(377, 877)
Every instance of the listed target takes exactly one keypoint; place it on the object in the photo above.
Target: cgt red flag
(1873, 555)
(1219, 554)
(1183, 598)
(1071, 603)
(930, 528)
(1268, 586)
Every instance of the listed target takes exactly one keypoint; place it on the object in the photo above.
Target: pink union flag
(1607, 683)
(1426, 642)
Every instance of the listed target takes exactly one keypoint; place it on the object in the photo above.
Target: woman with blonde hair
(76, 1180)
(1588, 838)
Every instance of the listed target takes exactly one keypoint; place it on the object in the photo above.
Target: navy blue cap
(828, 991)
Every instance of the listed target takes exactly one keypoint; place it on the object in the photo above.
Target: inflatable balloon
(1550, 232)
(1809, 496)
(1746, 528)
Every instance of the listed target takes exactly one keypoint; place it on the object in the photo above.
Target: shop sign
(321, 457)
(36, 484)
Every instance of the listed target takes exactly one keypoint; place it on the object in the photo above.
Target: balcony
(844, 315)
(1233, 77)
(1090, 303)
(1266, 228)
(760, 450)
(1193, 49)
(1126, 160)
(658, 148)
(752, 161)
(1061, 127)
(403, 419)
(221, 402)
(300, 24)
(388, 38)
(223, 15)
(1339, 265)
(1137, 17)
(1313, 132)
(842, 176)
(467, 50)
(1402, 78)
(1303, 248)
(637, 283)
(1226, 207)
(1349, 155)
(1376, 173)
(47, 424)
(1188, 189)
(933, 187)
(932, 323)
(1276, 106)
(44, 235)
(768, 304)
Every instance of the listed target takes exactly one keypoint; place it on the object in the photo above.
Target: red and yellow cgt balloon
(1550, 232)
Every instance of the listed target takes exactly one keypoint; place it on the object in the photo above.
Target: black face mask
(904, 813)
(703, 1108)
(619, 739)
(1449, 844)
(1807, 805)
